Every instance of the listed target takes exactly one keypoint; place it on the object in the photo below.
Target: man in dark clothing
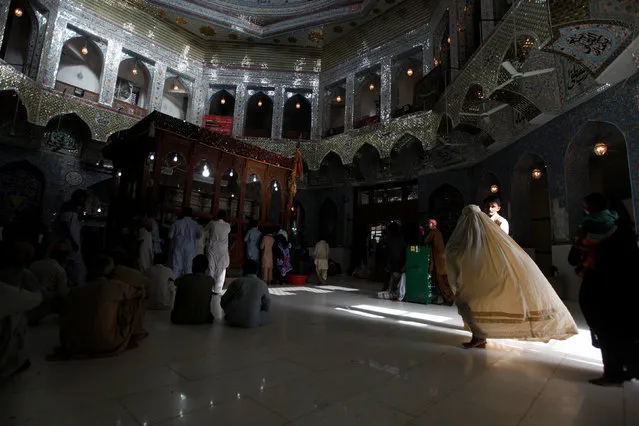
(193, 295)
(396, 255)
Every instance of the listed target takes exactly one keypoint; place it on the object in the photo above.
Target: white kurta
(500, 292)
(217, 251)
(321, 259)
(501, 222)
(183, 234)
(161, 287)
(145, 239)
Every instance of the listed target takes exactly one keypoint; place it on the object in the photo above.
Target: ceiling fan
(516, 75)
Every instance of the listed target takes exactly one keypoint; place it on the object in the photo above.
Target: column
(4, 17)
(428, 60)
(196, 109)
(454, 42)
(52, 50)
(316, 114)
(240, 110)
(327, 98)
(278, 112)
(110, 72)
(487, 13)
(386, 89)
(157, 87)
(349, 109)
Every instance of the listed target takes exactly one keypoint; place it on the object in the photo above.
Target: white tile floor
(370, 362)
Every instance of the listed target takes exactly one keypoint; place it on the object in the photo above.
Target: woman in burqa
(499, 290)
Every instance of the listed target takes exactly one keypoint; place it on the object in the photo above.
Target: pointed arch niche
(175, 97)
(134, 80)
(81, 66)
(259, 115)
(20, 37)
(297, 117)
(530, 221)
(222, 103)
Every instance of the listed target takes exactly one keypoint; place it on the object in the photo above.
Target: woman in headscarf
(499, 290)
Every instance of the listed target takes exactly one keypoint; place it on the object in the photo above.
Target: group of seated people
(105, 316)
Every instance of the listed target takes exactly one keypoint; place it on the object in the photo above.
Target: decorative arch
(367, 105)
(176, 97)
(530, 220)
(367, 163)
(259, 116)
(80, 69)
(20, 38)
(406, 156)
(66, 133)
(523, 106)
(297, 118)
(332, 168)
(586, 172)
(329, 154)
(133, 83)
(222, 104)
(474, 99)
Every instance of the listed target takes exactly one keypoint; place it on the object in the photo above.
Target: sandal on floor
(475, 343)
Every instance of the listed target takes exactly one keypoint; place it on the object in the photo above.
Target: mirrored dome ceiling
(270, 18)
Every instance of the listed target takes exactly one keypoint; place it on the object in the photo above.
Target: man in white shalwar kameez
(492, 207)
(183, 234)
(321, 260)
(499, 290)
(217, 249)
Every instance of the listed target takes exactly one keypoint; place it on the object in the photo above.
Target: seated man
(247, 301)
(161, 283)
(52, 277)
(125, 272)
(99, 318)
(193, 295)
(14, 302)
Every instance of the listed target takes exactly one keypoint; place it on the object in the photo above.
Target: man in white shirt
(68, 230)
(184, 234)
(492, 206)
(321, 260)
(217, 249)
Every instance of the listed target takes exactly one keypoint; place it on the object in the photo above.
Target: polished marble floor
(331, 357)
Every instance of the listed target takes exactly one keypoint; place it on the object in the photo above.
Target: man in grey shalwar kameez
(246, 302)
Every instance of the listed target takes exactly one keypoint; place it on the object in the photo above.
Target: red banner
(219, 124)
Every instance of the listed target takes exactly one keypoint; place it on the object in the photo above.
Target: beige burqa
(499, 290)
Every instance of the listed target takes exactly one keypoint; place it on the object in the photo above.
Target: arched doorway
(327, 227)
(253, 198)
(13, 114)
(222, 104)
(20, 36)
(530, 221)
(445, 204)
(406, 156)
(331, 170)
(133, 83)
(81, 65)
(66, 133)
(259, 116)
(297, 118)
(175, 98)
(609, 173)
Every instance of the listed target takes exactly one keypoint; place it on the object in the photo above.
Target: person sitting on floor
(246, 302)
(52, 276)
(161, 284)
(193, 295)
(14, 302)
(99, 318)
(126, 272)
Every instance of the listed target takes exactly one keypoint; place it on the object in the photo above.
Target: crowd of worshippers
(101, 304)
